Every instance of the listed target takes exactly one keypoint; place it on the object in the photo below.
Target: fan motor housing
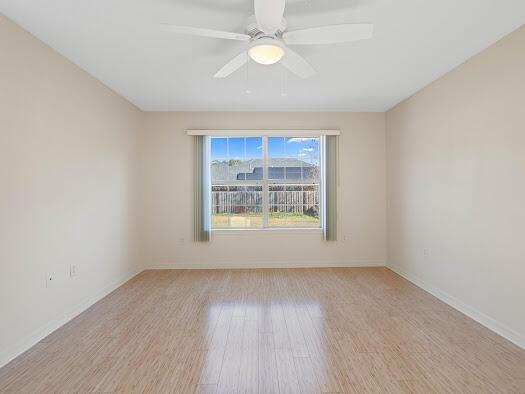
(252, 29)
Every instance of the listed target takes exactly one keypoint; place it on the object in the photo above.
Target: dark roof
(289, 173)
(252, 169)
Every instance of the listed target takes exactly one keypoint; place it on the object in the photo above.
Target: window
(265, 182)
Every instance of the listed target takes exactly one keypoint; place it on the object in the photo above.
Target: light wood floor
(269, 331)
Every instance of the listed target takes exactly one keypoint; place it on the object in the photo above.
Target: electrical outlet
(72, 270)
(346, 237)
(50, 279)
(426, 252)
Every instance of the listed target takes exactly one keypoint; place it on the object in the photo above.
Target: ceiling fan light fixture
(266, 52)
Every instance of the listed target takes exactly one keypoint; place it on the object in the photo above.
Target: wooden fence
(303, 199)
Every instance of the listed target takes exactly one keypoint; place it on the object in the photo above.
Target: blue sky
(306, 149)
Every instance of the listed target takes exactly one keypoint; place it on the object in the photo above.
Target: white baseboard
(471, 312)
(24, 344)
(269, 264)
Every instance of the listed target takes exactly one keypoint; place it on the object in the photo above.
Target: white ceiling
(119, 42)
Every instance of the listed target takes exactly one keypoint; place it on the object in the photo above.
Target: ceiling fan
(268, 39)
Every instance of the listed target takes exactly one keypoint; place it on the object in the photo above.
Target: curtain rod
(263, 132)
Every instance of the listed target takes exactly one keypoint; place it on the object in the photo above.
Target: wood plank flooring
(341, 330)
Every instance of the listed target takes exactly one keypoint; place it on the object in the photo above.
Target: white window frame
(265, 182)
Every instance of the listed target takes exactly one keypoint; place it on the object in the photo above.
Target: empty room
(262, 196)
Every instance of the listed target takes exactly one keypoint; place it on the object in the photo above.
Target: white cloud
(307, 150)
(301, 139)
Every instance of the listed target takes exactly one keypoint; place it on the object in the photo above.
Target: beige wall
(456, 187)
(67, 148)
(167, 195)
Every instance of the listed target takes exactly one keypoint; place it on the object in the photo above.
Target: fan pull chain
(284, 92)
(247, 89)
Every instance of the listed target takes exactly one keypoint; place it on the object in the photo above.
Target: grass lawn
(276, 219)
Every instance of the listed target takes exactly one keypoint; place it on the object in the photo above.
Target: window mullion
(266, 195)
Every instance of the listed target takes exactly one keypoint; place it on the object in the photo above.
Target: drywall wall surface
(456, 187)
(167, 195)
(68, 160)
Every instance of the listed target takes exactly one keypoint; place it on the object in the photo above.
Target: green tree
(233, 162)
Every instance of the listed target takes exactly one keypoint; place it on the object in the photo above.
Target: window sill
(237, 231)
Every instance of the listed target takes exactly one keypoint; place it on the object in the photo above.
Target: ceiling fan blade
(269, 14)
(233, 65)
(330, 34)
(296, 64)
(197, 31)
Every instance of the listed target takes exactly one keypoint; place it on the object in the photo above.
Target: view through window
(260, 182)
